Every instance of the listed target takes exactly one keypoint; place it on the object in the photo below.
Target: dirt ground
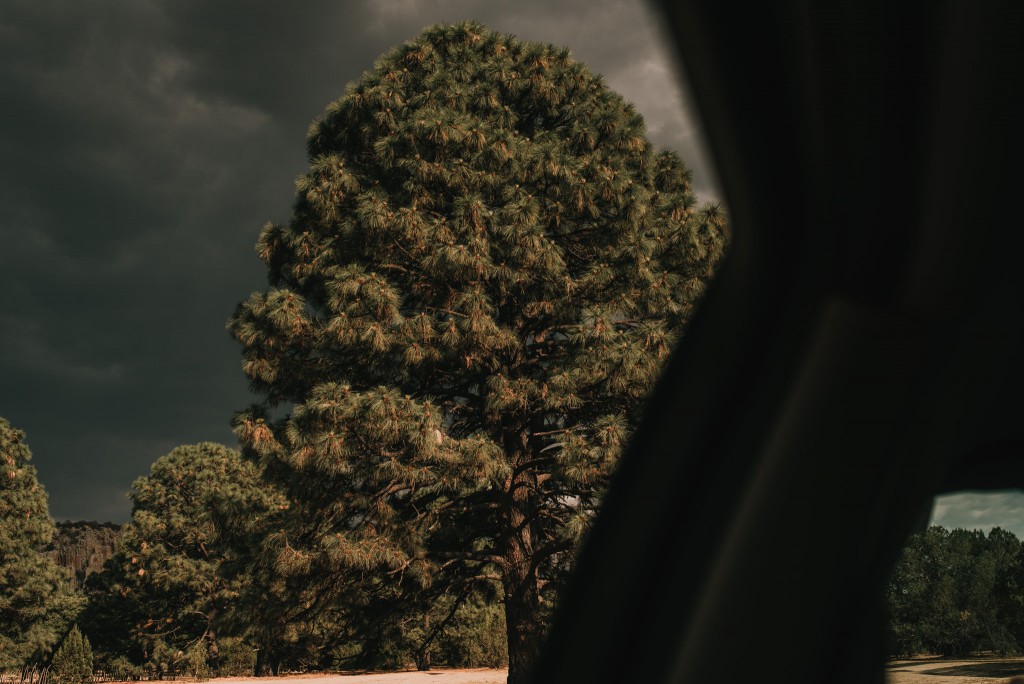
(945, 671)
(477, 676)
(913, 671)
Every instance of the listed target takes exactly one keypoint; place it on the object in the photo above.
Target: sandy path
(476, 676)
(943, 671)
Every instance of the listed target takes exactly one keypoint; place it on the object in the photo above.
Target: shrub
(121, 669)
(237, 658)
(477, 636)
(196, 662)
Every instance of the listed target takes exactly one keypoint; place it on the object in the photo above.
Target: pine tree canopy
(164, 576)
(486, 267)
(36, 600)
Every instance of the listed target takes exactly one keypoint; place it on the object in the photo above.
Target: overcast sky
(144, 144)
(981, 511)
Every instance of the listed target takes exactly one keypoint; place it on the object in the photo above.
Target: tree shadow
(992, 668)
(917, 660)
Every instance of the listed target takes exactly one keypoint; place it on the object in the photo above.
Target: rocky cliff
(83, 547)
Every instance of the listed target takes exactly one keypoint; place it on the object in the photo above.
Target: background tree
(72, 663)
(486, 267)
(163, 583)
(476, 637)
(954, 592)
(1003, 562)
(36, 601)
(455, 629)
(109, 620)
(275, 615)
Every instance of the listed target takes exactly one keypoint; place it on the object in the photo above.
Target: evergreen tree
(36, 600)
(1004, 627)
(164, 582)
(475, 637)
(72, 663)
(486, 267)
(954, 592)
(270, 613)
(109, 619)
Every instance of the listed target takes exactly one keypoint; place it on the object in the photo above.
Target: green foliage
(72, 663)
(162, 597)
(388, 648)
(269, 617)
(955, 592)
(165, 661)
(197, 658)
(237, 658)
(110, 617)
(476, 637)
(486, 267)
(122, 669)
(37, 603)
(449, 631)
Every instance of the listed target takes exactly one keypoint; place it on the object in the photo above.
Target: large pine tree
(37, 603)
(486, 267)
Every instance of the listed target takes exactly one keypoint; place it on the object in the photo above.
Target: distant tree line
(957, 592)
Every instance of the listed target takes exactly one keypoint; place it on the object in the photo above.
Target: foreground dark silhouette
(857, 354)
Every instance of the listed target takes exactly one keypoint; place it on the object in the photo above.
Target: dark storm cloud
(131, 203)
(144, 144)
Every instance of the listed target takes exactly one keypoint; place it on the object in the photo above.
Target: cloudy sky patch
(981, 511)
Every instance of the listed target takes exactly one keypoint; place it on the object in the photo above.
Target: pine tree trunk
(262, 667)
(213, 648)
(519, 577)
(522, 621)
(423, 653)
